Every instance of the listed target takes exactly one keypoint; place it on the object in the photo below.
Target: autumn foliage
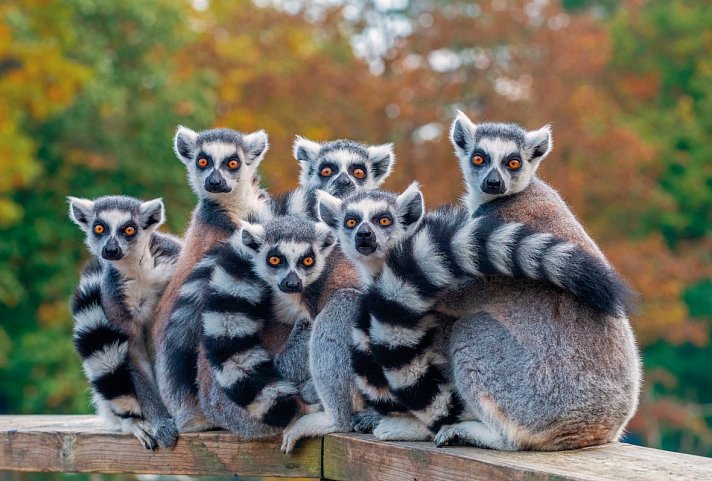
(90, 95)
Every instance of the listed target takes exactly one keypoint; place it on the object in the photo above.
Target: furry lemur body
(222, 171)
(114, 308)
(504, 329)
(410, 260)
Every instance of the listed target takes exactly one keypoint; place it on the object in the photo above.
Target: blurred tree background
(91, 92)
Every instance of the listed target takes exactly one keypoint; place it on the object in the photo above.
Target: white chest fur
(143, 285)
(289, 308)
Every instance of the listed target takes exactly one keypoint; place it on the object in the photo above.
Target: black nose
(291, 284)
(111, 251)
(343, 184)
(364, 232)
(493, 183)
(216, 184)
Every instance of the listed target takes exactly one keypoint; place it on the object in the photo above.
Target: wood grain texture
(81, 444)
(360, 457)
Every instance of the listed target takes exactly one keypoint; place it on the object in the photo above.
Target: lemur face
(340, 167)
(116, 226)
(289, 253)
(497, 159)
(368, 224)
(219, 161)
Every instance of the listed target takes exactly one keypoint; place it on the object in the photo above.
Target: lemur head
(497, 159)
(342, 166)
(116, 227)
(220, 161)
(289, 252)
(369, 223)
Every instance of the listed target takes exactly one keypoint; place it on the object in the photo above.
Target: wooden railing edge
(80, 444)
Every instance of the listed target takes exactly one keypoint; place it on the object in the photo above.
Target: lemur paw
(165, 433)
(401, 429)
(142, 431)
(311, 425)
(448, 434)
(365, 421)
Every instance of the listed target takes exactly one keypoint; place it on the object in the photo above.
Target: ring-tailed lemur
(222, 170)
(410, 263)
(286, 272)
(114, 308)
(338, 167)
(539, 368)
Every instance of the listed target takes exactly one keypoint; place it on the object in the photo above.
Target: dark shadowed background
(91, 92)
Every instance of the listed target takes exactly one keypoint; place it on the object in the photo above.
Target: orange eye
(326, 172)
(233, 164)
(359, 173)
(202, 162)
(130, 230)
(351, 223)
(274, 261)
(385, 221)
(99, 229)
(308, 261)
(514, 164)
(478, 160)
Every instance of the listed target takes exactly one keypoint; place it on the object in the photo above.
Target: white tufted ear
(185, 143)
(329, 208)
(152, 213)
(325, 238)
(382, 160)
(80, 211)
(256, 146)
(252, 235)
(462, 134)
(539, 143)
(306, 152)
(410, 206)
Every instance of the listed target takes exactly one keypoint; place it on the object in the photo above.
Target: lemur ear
(462, 134)
(306, 152)
(538, 143)
(256, 146)
(252, 235)
(152, 213)
(410, 205)
(185, 143)
(382, 160)
(329, 208)
(80, 211)
(325, 237)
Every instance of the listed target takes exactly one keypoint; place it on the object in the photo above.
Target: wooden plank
(360, 457)
(81, 444)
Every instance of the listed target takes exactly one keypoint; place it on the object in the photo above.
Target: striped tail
(103, 347)
(237, 306)
(444, 251)
(179, 353)
(370, 378)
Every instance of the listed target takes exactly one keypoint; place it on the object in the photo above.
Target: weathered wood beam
(360, 457)
(80, 444)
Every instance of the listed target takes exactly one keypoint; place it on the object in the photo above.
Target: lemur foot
(142, 430)
(365, 421)
(402, 429)
(474, 433)
(165, 432)
(311, 425)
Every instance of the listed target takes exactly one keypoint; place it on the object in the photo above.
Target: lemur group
(339, 306)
